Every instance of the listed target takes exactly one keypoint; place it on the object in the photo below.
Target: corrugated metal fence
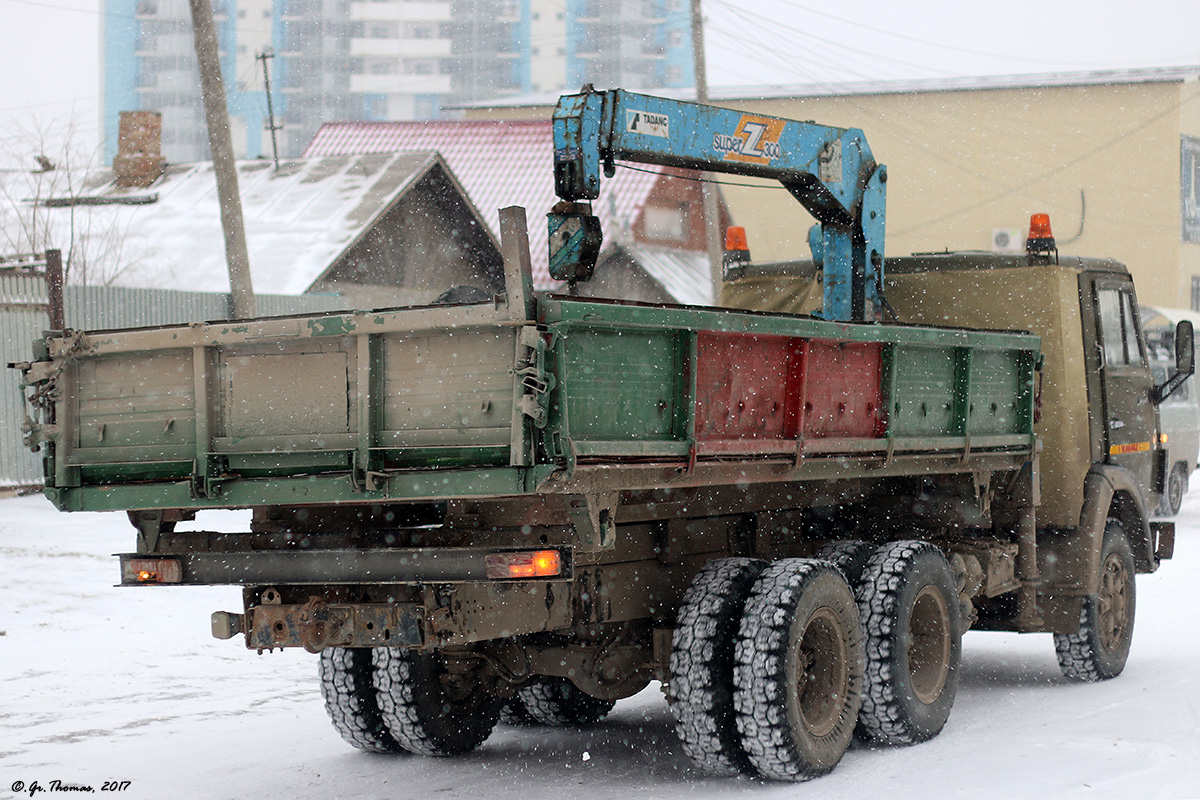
(23, 318)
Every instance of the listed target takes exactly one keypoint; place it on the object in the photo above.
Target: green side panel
(621, 385)
(300, 490)
(923, 391)
(996, 393)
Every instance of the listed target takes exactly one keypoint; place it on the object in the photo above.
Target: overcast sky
(50, 65)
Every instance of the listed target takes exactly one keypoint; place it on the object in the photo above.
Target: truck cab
(1102, 454)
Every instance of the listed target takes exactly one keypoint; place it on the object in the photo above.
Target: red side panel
(741, 386)
(759, 394)
(842, 389)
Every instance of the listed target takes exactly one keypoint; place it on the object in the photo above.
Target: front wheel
(1101, 647)
(1172, 498)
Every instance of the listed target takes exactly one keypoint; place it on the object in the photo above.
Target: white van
(1179, 414)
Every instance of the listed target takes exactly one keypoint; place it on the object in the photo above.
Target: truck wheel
(350, 701)
(514, 713)
(798, 670)
(701, 686)
(848, 555)
(908, 604)
(557, 702)
(1101, 647)
(429, 709)
(1172, 499)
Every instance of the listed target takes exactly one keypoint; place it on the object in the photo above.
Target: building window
(665, 223)
(1189, 182)
(421, 30)
(380, 66)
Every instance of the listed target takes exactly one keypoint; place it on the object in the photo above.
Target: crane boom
(831, 171)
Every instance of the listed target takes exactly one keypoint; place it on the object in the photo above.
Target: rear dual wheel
(798, 670)
(555, 702)
(388, 700)
(348, 689)
(766, 668)
(908, 605)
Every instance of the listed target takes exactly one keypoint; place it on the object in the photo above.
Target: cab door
(1130, 420)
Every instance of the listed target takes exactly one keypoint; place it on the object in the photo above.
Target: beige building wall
(1189, 123)
(962, 164)
(1102, 161)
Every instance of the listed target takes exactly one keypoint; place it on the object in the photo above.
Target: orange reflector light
(538, 564)
(151, 570)
(735, 238)
(1162, 439)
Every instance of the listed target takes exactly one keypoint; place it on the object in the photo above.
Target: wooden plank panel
(136, 400)
(454, 383)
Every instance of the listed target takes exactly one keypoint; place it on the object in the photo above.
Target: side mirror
(1185, 348)
(1185, 362)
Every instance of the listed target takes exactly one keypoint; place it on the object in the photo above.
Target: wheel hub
(823, 672)
(929, 645)
(1112, 603)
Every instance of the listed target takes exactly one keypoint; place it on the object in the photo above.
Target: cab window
(1118, 328)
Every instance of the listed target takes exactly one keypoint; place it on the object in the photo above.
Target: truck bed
(472, 401)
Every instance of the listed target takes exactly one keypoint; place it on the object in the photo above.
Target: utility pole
(264, 57)
(712, 218)
(216, 116)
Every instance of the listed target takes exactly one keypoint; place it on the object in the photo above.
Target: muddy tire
(514, 713)
(848, 555)
(912, 627)
(798, 670)
(557, 702)
(1101, 647)
(702, 648)
(349, 693)
(425, 712)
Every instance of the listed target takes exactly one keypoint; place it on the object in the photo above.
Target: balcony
(399, 12)
(399, 48)
(400, 84)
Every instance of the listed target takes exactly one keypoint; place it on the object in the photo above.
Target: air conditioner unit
(1008, 240)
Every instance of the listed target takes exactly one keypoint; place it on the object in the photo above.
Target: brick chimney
(139, 160)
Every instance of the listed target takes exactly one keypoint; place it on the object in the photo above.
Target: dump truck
(531, 507)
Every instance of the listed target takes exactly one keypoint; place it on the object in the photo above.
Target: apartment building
(376, 60)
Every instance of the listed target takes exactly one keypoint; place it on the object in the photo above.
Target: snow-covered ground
(103, 684)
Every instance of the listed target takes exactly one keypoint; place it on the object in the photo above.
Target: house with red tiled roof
(653, 225)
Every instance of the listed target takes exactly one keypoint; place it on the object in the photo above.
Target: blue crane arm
(831, 171)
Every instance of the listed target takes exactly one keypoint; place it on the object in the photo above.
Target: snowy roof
(683, 274)
(299, 220)
(721, 94)
(499, 163)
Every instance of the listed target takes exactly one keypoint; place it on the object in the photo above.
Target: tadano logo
(647, 124)
(756, 140)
